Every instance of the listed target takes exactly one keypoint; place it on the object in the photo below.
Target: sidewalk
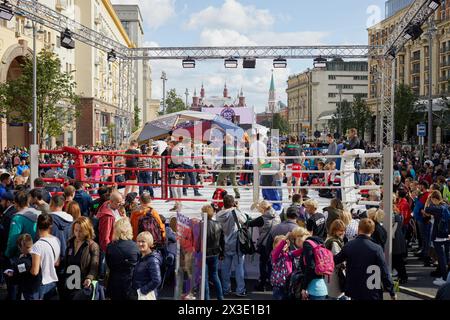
(420, 283)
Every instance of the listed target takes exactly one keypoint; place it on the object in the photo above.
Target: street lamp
(279, 63)
(187, 97)
(6, 12)
(340, 109)
(231, 63)
(164, 79)
(41, 30)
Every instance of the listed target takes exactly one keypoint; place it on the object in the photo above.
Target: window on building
(416, 55)
(58, 41)
(331, 77)
(331, 95)
(359, 78)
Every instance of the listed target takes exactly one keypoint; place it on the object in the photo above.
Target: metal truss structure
(417, 14)
(257, 52)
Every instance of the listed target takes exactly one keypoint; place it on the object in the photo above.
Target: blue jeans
(190, 179)
(278, 293)
(212, 267)
(44, 289)
(425, 232)
(145, 177)
(442, 251)
(238, 260)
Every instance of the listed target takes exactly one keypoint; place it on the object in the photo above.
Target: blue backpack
(443, 225)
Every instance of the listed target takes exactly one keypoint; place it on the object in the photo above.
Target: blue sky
(248, 22)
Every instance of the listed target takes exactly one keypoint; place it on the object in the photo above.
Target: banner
(188, 270)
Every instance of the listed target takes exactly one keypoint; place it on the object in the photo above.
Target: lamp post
(33, 26)
(431, 32)
(340, 110)
(187, 97)
(164, 79)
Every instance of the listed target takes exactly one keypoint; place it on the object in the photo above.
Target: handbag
(149, 296)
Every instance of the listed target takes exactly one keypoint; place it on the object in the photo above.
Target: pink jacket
(106, 222)
(278, 254)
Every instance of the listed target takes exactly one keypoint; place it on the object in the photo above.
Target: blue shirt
(21, 169)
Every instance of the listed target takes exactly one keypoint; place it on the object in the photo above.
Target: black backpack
(244, 242)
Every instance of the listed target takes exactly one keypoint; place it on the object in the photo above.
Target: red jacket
(405, 210)
(106, 222)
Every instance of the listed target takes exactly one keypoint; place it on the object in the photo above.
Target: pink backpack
(323, 259)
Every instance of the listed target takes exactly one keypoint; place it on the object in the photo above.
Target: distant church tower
(271, 106)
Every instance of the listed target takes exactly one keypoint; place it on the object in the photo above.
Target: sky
(248, 22)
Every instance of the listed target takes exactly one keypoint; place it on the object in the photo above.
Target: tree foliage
(407, 113)
(137, 120)
(280, 123)
(351, 115)
(56, 97)
(174, 103)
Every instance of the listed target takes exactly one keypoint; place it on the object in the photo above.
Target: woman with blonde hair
(379, 236)
(147, 272)
(265, 222)
(122, 255)
(83, 252)
(313, 286)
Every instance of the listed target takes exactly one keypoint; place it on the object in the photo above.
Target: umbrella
(165, 125)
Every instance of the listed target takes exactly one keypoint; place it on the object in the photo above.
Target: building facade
(16, 42)
(104, 118)
(313, 96)
(412, 62)
(131, 18)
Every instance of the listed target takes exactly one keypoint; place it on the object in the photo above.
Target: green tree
(345, 114)
(137, 120)
(173, 102)
(56, 99)
(407, 113)
(362, 116)
(280, 123)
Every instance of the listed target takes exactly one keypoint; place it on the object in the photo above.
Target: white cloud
(224, 37)
(232, 15)
(154, 12)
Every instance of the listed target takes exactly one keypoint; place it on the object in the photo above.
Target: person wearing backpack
(439, 210)
(232, 220)
(363, 257)
(335, 243)
(314, 257)
(266, 222)
(151, 222)
(281, 258)
(143, 210)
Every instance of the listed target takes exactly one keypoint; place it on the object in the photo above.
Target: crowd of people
(81, 241)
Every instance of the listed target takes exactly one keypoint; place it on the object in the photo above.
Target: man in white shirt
(258, 151)
(45, 255)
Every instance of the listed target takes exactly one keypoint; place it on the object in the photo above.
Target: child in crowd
(282, 260)
(20, 273)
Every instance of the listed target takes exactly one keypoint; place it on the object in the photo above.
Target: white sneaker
(439, 282)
